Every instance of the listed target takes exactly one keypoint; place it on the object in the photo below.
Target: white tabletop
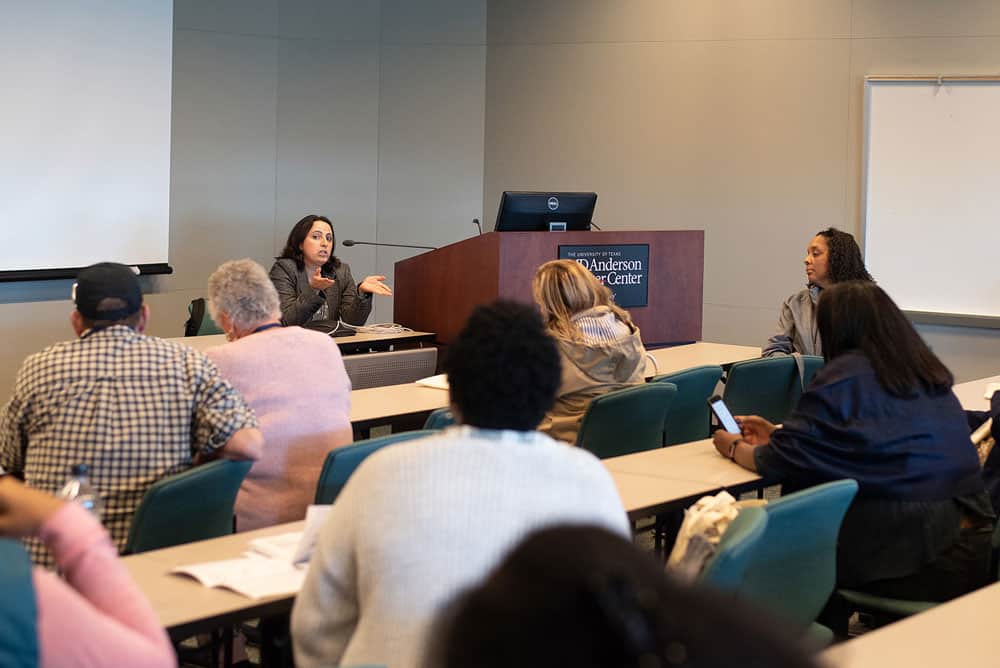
(673, 474)
(211, 340)
(678, 358)
(395, 400)
(957, 633)
(972, 394)
(693, 462)
(180, 600)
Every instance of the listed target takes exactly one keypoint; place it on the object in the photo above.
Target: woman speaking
(314, 285)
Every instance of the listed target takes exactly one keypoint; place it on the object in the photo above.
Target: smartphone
(721, 412)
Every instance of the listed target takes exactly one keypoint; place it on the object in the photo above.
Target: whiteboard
(932, 194)
(85, 139)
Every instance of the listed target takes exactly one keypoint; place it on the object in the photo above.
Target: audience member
(583, 597)
(133, 408)
(832, 257)
(93, 615)
(881, 411)
(421, 520)
(295, 381)
(314, 284)
(599, 346)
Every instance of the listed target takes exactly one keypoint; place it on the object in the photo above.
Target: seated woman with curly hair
(832, 257)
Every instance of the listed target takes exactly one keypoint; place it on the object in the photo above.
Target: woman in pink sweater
(94, 616)
(295, 381)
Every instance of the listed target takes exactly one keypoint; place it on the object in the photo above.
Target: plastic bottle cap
(78, 469)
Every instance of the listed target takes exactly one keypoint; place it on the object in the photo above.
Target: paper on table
(252, 576)
(295, 546)
(438, 382)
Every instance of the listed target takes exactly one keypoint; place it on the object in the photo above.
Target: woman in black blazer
(315, 285)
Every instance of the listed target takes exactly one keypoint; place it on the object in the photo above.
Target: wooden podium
(436, 291)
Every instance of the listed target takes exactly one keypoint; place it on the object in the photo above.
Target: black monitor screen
(533, 212)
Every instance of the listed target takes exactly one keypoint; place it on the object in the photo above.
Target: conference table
(372, 406)
(361, 342)
(959, 633)
(648, 483)
(972, 394)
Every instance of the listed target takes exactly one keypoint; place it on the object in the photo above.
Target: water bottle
(79, 489)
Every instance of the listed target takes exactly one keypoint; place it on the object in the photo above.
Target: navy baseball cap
(107, 280)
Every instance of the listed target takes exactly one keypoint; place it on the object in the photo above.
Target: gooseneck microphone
(475, 221)
(351, 242)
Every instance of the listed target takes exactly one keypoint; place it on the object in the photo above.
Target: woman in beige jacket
(599, 345)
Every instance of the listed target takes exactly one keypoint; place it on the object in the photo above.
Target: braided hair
(846, 263)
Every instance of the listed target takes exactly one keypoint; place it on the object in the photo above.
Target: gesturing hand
(374, 285)
(756, 430)
(23, 510)
(318, 281)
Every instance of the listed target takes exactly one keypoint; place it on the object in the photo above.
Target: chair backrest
(727, 566)
(440, 419)
(342, 462)
(199, 323)
(625, 421)
(688, 415)
(810, 365)
(18, 607)
(768, 387)
(793, 568)
(390, 368)
(194, 505)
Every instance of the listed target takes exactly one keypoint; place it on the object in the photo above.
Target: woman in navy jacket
(881, 411)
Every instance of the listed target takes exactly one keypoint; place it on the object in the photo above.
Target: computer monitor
(534, 212)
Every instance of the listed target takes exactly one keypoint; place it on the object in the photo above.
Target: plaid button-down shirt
(133, 408)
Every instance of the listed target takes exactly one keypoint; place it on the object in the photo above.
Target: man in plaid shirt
(133, 408)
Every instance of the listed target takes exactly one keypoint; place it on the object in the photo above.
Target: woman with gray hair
(276, 368)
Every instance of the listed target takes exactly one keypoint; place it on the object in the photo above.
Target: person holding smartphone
(881, 411)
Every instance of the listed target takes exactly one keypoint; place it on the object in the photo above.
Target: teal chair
(726, 569)
(440, 419)
(793, 568)
(199, 323)
(342, 462)
(894, 608)
(810, 365)
(194, 505)
(625, 421)
(688, 416)
(768, 387)
(18, 608)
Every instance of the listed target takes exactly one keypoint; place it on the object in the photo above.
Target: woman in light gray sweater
(422, 520)
(831, 257)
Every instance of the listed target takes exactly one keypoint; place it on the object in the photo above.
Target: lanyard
(268, 326)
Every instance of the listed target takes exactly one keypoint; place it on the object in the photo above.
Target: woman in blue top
(881, 411)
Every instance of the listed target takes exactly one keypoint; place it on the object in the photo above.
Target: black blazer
(299, 301)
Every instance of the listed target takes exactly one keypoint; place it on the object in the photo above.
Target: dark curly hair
(581, 596)
(846, 263)
(503, 369)
(293, 247)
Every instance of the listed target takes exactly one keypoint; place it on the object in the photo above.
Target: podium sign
(622, 267)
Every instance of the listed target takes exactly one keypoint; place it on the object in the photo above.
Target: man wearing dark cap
(133, 408)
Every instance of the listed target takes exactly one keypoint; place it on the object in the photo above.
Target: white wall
(369, 112)
(739, 117)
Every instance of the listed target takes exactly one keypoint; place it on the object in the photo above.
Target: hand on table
(23, 510)
(318, 281)
(375, 285)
